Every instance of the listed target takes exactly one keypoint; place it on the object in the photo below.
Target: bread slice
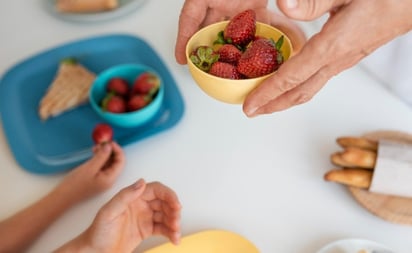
(84, 6)
(68, 90)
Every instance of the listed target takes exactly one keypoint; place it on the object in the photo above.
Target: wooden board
(391, 208)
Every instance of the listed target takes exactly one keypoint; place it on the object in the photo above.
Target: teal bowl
(128, 119)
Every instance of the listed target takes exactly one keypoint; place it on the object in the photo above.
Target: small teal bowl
(128, 119)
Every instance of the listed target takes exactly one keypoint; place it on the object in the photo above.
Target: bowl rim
(159, 94)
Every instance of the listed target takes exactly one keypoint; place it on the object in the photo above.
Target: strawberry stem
(203, 57)
(279, 43)
(220, 39)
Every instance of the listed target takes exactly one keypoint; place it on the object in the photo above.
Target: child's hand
(95, 175)
(134, 214)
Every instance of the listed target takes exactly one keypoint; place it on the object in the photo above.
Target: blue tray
(64, 142)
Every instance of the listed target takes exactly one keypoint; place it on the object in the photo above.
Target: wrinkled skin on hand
(354, 29)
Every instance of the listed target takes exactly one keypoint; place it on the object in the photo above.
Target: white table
(261, 177)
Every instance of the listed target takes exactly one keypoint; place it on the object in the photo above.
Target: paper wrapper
(393, 169)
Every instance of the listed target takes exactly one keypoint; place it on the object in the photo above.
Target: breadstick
(337, 160)
(359, 157)
(359, 142)
(351, 177)
(354, 157)
(82, 6)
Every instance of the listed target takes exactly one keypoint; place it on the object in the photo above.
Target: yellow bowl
(209, 241)
(227, 90)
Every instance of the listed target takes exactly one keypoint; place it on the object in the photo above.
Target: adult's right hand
(355, 29)
(196, 14)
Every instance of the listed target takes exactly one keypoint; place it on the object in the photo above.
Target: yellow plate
(209, 241)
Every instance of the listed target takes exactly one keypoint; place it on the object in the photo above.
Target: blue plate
(64, 142)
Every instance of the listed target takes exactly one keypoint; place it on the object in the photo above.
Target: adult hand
(135, 213)
(354, 29)
(93, 176)
(196, 14)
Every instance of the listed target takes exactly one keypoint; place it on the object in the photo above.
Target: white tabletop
(260, 177)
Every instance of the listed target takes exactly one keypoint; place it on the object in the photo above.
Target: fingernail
(291, 4)
(107, 147)
(251, 111)
(137, 185)
(177, 236)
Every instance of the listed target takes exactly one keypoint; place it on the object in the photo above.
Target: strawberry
(224, 70)
(137, 102)
(241, 28)
(258, 37)
(203, 57)
(102, 133)
(118, 86)
(229, 53)
(114, 103)
(260, 58)
(146, 83)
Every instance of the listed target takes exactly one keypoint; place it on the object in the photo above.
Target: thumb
(123, 198)
(130, 193)
(308, 9)
(101, 156)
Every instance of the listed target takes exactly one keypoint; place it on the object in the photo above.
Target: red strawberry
(258, 37)
(203, 57)
(224, 70)
(118, 86)
(146, 83)
(114, 103)
(137, 102)
(259, 59)
(102, 133)
(241, 28)
(229, 53)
